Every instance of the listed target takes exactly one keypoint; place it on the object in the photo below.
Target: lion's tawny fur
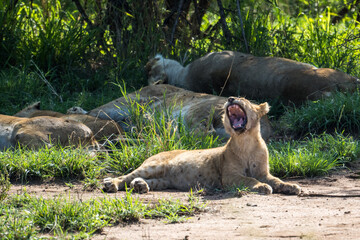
(43, 131)
(102, 129)
(244, 160)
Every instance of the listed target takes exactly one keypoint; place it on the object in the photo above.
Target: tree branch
(82, 12)
(242, 26)
(226, 31)
(176, 21)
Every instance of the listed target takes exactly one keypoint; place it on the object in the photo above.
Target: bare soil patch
(328, 209)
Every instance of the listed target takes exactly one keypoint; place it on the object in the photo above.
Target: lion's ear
(36, 105)
(165, 78)
(264, 108)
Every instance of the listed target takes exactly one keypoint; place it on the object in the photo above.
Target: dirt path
(333, 213)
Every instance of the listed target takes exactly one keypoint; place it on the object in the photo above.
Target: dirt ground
(328, 209)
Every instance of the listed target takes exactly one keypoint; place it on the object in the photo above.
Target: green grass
(48, 46)
(341, 112)
(46, 164)
(314, 156)
(5, 185)
(25, 216)
(21, 87)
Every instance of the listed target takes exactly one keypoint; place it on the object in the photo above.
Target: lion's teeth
(237, 116)
(233, 109)
(238, 123)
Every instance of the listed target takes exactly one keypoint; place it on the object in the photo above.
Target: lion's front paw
(139, 185)
(263, 188)
(109, 185)
(291, 189)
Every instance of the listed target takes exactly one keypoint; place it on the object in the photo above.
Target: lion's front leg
(282, 187)
(116, 184)
(139, 185)
(119, 183)
(249, 182)
(113, 184)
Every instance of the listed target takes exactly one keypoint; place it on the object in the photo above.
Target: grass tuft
(312, 157)
(335, 114)
(45, 164)
(24, 216)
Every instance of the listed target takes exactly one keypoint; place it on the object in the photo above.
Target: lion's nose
(231, 99)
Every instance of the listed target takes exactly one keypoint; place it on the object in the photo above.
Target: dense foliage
(70, 52)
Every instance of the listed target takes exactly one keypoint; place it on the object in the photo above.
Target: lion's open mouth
(237, 117)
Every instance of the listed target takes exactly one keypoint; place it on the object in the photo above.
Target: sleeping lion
(244, 160)
(102, 129)
(234, 73)
(43, 131)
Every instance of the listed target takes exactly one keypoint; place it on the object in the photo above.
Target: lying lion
(102, 129)
(234, 73)
(43, 131)
(200, 112)
(244, 160)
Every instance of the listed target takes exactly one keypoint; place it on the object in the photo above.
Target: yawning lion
(244, 160)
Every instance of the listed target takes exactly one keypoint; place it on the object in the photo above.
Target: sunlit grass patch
(54, 163)
(25, 216)
(341, 112)
(314, 156)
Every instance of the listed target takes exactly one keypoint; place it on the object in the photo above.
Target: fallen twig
(329, 195)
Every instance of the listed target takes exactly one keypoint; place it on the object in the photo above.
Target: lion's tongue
(237, 123)
(236, 115)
